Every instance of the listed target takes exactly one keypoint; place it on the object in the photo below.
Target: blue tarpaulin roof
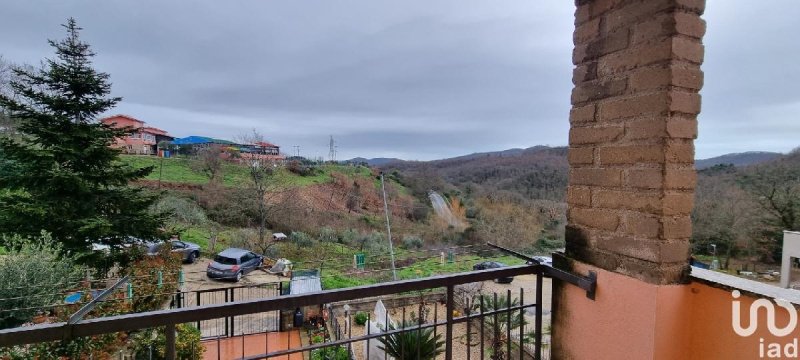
(191, 140)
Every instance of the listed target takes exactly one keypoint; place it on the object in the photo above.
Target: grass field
(179, 170)
(336, 269)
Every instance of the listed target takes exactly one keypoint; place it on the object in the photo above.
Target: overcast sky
(410, 79)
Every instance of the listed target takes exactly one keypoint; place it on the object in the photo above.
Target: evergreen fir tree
(61, 175)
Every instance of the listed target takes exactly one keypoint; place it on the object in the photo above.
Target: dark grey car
(190, 251)
(493, 265)
(233, 263)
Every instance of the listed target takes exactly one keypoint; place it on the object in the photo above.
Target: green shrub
(331, 353)
(181, 210)
(187, 343)
(301, 239)
(327, 234)
(411, 242)
(349, 237)
(361, 318)
(408, 345)
(316, 339)
(376, 243)
(33, 274)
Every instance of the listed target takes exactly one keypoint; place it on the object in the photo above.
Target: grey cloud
(419, 79)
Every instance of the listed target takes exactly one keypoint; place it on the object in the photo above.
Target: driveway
(196, 279)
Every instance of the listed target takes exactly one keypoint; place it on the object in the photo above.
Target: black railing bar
(127, 322)
(456, 320)
(85, 309)
(588, 283)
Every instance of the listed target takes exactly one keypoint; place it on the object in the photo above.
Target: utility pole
(332, 150)
(388, 227)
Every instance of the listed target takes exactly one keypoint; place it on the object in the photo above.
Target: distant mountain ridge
(377, 162)
(738, 159)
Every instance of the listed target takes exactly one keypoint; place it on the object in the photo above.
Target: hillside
(339, 197)
(535, 173)
(738, 159)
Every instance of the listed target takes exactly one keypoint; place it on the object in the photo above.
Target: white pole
(388, 227)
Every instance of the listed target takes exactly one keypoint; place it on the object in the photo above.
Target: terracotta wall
(712, 334)
(631, 319)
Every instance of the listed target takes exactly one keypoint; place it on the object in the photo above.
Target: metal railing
(172, 317)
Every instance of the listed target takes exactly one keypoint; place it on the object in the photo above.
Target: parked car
(233, 263)
(189, 250)
(544, 260)
(493, 265)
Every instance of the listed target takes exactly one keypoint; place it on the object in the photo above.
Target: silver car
(190, 251)
(233, 263)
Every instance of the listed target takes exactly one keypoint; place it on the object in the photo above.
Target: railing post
(448, 353)
(170, 353)
(538, 321)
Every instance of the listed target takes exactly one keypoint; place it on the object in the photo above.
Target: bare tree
(209, 161)
(265, 185)
(726, 216)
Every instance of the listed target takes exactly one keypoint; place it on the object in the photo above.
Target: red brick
(678, 203)
(634, 13)
(584, 72)
(694, 6)
(690, 78)
(680, 179)
(645, 178)
(642, 225)
(690, 25)
(649, 104)
(582, 14)
(673, 251)
(605, 45)
(679, 227)
(647, 250)
(592, 135)
(681, 128)
(579, 196)
(687, 49)
(586, 31)
(580, 156)
(598, 90)
(596, 177)
(630, 154)
(629, 200)
(668, 49)
(654, 28)
(685, 102)
(663, 77)
(648, 128)
(594, 218)
(679, 152)
(592, 8)
(582, 114)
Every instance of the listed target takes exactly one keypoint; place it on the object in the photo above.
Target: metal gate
(233, 325)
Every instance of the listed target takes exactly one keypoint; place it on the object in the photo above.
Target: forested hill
(538, 172)
(535, 173)
(738, 159)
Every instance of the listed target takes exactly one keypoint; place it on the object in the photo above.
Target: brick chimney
(631, 153)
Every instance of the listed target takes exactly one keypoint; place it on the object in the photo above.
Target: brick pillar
(631, 187)
(633, 123)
